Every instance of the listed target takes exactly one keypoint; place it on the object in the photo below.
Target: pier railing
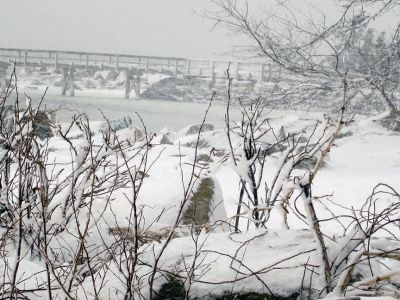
(173, 65)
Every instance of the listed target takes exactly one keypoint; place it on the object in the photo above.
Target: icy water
(156, 114)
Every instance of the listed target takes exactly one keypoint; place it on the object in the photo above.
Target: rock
(89, 84)
(31, 88)
(7, 116)
(199, 207)
(81, 73)
(344, 134)
(194, 129)
(165, 140)
(282, 133)
(112, 75)
(121, 78)
(176, 89)
(3, 208)
(308, 164)
(192, 144)
(254, 296)
(204, 158)
(166, 136)
(42, 122)
(58, 82)
(391, 121)
(273, 149)
(174, 289)
(131, 134)
(36, 82)
(98, 75)
(100, 82)
(118, 124)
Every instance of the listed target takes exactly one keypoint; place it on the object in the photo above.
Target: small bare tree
(315, 52)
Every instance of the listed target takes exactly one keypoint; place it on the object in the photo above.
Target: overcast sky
(147, 27)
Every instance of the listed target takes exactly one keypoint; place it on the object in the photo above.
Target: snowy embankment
(101, 83)
(163, 86)
(139, 219)
(112, 210)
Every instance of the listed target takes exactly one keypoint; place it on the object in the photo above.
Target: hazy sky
(148, 27)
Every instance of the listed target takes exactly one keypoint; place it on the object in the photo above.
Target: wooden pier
(69, 61)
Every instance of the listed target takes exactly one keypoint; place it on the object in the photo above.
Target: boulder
(7, 116)
(131, 134)
(166, 140)
(118, 123)
(391, 121)
(42, 122)
(309, 164)
(194, 129)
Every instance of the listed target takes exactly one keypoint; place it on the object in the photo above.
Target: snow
(355, 165)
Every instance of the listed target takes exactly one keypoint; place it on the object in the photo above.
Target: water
(156, 114)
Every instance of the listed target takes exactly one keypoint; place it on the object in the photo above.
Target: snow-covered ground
(265, 260)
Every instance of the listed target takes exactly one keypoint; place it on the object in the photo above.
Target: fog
(150, 27)
(144, 27)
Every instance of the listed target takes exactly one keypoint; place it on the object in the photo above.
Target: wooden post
(71, 80)
(56, 61)
(212, 70)
(237, 74)
(188, 67)
(87, 63)
(262, 71)
(212, 74)
(146, 66)
(26, 60)
(64, 85)
(128, 79)
(117, 62)
(19, 55)
(137, 83)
